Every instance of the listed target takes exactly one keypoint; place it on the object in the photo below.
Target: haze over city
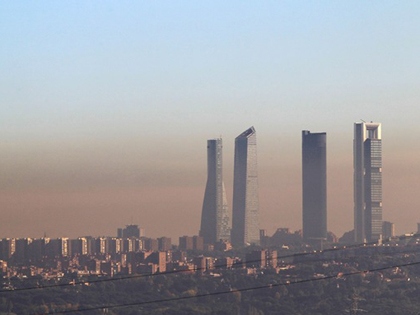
(106, 110)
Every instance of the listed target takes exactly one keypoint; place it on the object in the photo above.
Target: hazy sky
(106, 107)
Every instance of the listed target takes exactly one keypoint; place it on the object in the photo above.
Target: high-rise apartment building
(245, 214)
(215, 223)
(7, 248)
(131, 230)
(367, 182)
(388, 229)
(314, 185)
(164, 243)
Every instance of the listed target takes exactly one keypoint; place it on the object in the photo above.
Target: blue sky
(113, 96)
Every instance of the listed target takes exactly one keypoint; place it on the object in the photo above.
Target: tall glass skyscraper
(367, 182)
(215, 223)
(245, 218)
(314, 185)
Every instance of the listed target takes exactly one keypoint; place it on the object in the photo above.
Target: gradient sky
(106, 107)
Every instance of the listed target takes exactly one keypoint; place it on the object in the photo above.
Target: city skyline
(370, 131)
(104, 108)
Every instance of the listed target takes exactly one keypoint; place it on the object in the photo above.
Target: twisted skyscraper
(245, 218)
(215, 224)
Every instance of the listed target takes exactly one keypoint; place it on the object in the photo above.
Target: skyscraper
(215, 223)
(245, 218)
(314, 185)
(367, 181)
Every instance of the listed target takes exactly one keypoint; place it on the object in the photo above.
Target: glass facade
(314, 185)
(215, 222)
(245, 218)
(367, 182)
(373, 188)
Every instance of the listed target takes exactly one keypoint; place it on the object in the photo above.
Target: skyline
(104, 108)
(157, 225)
